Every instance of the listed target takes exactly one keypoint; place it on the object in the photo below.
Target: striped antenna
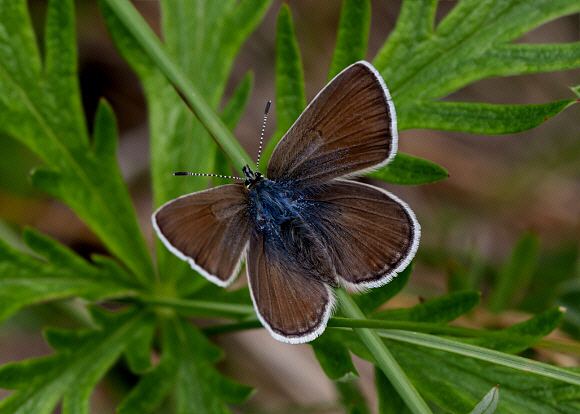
(230, 177)
(266, 110)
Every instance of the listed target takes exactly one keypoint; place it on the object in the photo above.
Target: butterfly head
(252, 178)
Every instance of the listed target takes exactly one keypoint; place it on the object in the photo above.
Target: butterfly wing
(208, 229)
(293, 307)
(349, 127)
(369, 234)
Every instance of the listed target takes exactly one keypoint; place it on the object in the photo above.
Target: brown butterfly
(305, 228)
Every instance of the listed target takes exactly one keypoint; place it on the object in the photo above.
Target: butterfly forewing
(209, 229)
(369, 234)
(292, 306)
(350, 126)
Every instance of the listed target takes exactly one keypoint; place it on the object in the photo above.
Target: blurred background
(500, 189)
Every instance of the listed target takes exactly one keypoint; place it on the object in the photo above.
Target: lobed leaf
(389, 401)
(422, 63)
(57, 274)
(186, 370)
(40, 106)
(68, 374)
(203, 38)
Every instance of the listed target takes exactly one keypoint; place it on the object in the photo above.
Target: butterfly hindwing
(349, 127)
(291, 305)
(369, 234)
(208, 229)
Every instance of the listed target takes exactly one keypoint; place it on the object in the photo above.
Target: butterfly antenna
(266, 110)
(230, 177)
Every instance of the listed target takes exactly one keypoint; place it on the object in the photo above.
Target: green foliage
(40, 106)
(516, 273)
(488, 403)
(422, 63)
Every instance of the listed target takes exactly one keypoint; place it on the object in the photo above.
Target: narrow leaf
(353, 35)
(478, 118)
(408, 170)
(514, 276)
(290, 94)
(439, 310)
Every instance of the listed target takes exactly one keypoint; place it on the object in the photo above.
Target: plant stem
(136, 25)
(385, 360)
(202, 308)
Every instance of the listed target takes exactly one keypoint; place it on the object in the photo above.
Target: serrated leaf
(186, 370)
(422, 63)
(353, 35)
(408, 170)
(59, 273)
(290, 92)
(515, 275)
(40, 106)
(374, 298)
(439, 310)
(488, 403)
(203, 38)
(41, 383)
(334, 358)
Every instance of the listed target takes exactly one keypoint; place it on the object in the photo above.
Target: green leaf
(236, 106)
(389, 401)
(484, 354)
(383, 358)
(422, 63)
(185, 369)
(408, 170)
(57, 274)
(515, 274)
(68, 374)
(203, 38)
(353, 35)
(454, 381)
(290, 94)
(40, 106)
(334, 358)
(524, 335)
(138, 351)
(374, 298)
(488, 403)
(351, 397)
(479, 118)
(439, 310)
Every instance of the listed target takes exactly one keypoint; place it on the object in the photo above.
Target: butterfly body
(305, 228)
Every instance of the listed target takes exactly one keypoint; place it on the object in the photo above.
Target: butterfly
(304, 228)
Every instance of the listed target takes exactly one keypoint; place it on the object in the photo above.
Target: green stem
(385, 360)
(136, 25)
(201, 308)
